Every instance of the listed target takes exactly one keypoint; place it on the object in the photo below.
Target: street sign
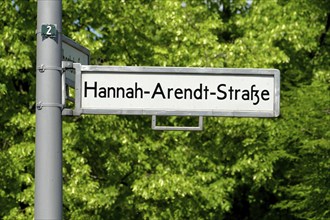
(76, 53)
(177, 91)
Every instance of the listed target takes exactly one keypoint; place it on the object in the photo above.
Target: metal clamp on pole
(41, 105)
(67, 65)
(174, 128)
(42, 68)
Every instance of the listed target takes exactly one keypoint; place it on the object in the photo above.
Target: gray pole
(48, 161)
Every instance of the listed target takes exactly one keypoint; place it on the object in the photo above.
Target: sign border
(81, 69)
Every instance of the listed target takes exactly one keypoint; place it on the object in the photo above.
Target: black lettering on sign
(102, 92)
(111, 89)
(122, 91)
(91, 88)
(245, 94)
(178, 93)
(138, 89)
(251, 94)
(198, 92)
(114, 92)
(224, 94)
(158, 91)
(255, 92)
(188, 93)
(130, 93)
(265, 93)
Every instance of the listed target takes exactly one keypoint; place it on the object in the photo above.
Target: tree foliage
(116, 167)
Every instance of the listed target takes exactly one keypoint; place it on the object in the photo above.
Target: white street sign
(72, 51)
(177, 91)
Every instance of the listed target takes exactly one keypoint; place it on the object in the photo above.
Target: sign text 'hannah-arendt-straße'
(201, 92)
(178, 91)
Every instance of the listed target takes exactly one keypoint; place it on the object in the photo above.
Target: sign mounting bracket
(154, 126)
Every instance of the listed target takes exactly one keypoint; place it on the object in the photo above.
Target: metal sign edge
(80, 69)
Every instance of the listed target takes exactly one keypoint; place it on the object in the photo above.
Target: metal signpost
(48, 158)
(154, 91)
